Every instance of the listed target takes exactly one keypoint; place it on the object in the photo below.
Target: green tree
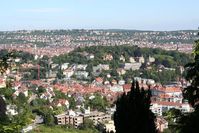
(189, 122)
(172, 116)
(5, 57)
(97, 103)
(133, 114)
(49, 119)
(2, 109)
(72, 103)
(87, 124)
(191, 93)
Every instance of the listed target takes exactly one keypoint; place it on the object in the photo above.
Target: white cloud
(42, 10)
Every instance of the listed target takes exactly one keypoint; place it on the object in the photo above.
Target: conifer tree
(133, 114)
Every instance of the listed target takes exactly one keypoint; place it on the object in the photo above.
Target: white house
(159, 107)
(90, 56)
(122, 58)
(121, 82)
(116, 88)
(68, 73)
(64, 66)
(132, 60)
(140, 59)
(151, 59)
(81, 74)
(133, 66)
(82, 67)
(11, 110)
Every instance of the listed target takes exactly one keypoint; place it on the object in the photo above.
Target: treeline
(168, 58)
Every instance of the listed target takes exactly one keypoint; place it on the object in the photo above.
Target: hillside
(160, 65)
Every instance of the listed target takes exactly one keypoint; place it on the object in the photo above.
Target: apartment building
(76, 120)
(65, 119)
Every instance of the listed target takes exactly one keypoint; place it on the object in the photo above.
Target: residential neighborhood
(75, 97)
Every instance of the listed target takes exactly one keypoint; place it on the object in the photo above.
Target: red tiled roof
(127, 86)
(173, 89)
(165, 96)
(167, 103)
(98, 79)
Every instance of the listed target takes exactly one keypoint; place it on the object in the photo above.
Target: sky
(99, 14)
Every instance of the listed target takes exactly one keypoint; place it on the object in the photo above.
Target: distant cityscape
(56, 42)
(61, 70)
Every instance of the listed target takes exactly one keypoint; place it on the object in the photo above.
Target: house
(168, 90)
(98, 80)
(132, 66)
(161, 124)
(114, 82)
(81, 74)
(68, 73)
(76, 119)
(122, 58)
(109, 126)
(106, 82)
(64, 66)
(90, 56)
(173, 91)
(121, 82)
(121, 71)
(151, 59)
(168, 98)
(158, 107)
(81, 67)
(108, 57)
(144, 81)
(116, 88)
(48, 94)
(18, 77)
(17, 60)
(16, 85)
(104, 67)
(99, 68)
(140, 59)
(53, 66)
(2, 83)
(51, 74)
(97, 117)
(11, 110)
(61, 102)
(87, 111)
(127, 87)
(132, 60)
(69, 119)
(22, 89)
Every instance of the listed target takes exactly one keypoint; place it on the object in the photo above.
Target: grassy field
(56, 129)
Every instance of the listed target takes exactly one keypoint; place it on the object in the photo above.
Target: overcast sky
(99, 14)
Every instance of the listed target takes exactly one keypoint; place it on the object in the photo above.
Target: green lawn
(57, 129)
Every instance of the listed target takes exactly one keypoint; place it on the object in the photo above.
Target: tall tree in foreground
(189, 122)
(133, 114)
(191, 93)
